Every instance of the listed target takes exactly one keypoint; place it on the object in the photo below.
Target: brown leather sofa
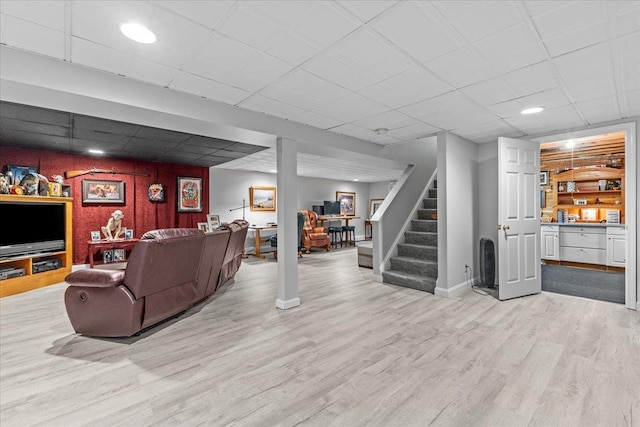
(312, 234)
(168, 272)
(233, 256)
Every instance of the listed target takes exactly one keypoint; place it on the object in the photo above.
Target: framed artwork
(118, 255)
(347, 202)
(189, 194)
(262, 199)
(128, 233)
(95, 236)
(16, 173)
(155, 192)
(544, 178)
(374, 204)
(107, 256)
(102, 191)
(214, 221)
(204, 226)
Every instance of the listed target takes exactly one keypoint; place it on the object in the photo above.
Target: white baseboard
(638, 306)
(377, 278)
(284, 305)
(455, 290)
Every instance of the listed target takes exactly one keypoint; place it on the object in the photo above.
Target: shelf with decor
(591, 194)
(32, 268)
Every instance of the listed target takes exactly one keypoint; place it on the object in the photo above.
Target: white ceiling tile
(389, 120)
(538, 7)
(291, 97)
(32, 37)
(267, 67)
(585, 78)
(577, 38)
(389, 95)
(476, 20)
(496, 127)
(304, 82)
(292, 49)
(325, 24)
(46, 13)
(367, 50)
(366, 10)
(270, 106)
(568, 17)
(552, 98)
(627, 18)
(414, 31)
(338, 71)
(420, 83)
(353, 130)
(462, 67)
(223, 74)
(228, 52)
(207, 13)
(351, 108)
(510, 49)
(489, 91)
(245, 24)
(282, 12)
(413, 131)
(529, 125)
(100, 57)
(599, 110)
(532, 79)
(561, 118)
(631, 72)
(196, 85)
(630, 103)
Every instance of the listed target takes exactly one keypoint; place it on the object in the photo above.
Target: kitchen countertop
(583, 224)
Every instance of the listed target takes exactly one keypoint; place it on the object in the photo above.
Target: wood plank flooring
(355, 353)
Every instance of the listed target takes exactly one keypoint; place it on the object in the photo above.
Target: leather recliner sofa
(168, 272)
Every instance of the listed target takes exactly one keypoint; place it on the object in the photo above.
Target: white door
(518, 218)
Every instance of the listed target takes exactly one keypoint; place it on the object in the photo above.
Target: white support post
(286, 205)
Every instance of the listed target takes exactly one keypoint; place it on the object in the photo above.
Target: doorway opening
(587, 210)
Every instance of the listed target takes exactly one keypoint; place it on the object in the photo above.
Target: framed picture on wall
(262, 199)
(155, 192)
(102, 191)
(374, 204)
(544, 177)
(16, 173)
(347, 201)
(189, 194)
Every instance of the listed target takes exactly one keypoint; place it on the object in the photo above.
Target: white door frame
(631, 168)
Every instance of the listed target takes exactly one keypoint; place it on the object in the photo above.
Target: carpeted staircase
(416, 265)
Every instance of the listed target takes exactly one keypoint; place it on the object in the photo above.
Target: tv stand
(32, 279)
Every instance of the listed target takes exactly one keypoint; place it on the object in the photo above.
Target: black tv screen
(331, 208)
(27, 223)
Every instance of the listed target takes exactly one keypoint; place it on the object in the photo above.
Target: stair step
(435, 183)
(421, 283)
(430, 225)
(421, 238)
(430, 203)
(411, 250)
(415, 266)
(433, 193)
(427, 214)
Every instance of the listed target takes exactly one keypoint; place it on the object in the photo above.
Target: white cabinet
(616, 247)
(549, 239)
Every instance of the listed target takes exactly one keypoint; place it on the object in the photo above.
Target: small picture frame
(128, 233)
(204, 226)
(118, 255)
(16, 173)
(107, 256)
(55, 189)
(544, 177)
(189, 194)
(214, 221)
(155, 192)
(95, 236)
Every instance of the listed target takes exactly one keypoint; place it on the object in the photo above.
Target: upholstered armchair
(312, 234)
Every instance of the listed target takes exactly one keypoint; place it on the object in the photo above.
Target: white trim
(377, 278)
(77, 267)
(455, 290)
(284, 305)
(400, 237)
(631, 200)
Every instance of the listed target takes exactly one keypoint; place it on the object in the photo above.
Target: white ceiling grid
(351, 67)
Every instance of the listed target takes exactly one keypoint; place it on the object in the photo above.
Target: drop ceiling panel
(513, 48)
(597, 109)
(108, 138)
(351, 108)
(248, 26)
(102, 125)
(223, 74)
(207, 13)
(270, 106)
(553, 98)
(203, 141)
(462, 67)
(367, 10)
(46, 13)
(585, 78)
(304, 82)
(312, 118)
(196, 85)
(413, 131)
(325, 24)
(291, 97)
(344, 74)
(34, 114)
(32, 37)
(389, 120)
(532, 79)
(478, 19)
(162, 134)
(489, 92)
(292, 49)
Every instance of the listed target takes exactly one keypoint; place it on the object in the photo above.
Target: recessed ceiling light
(356, 179)
(571, 143)
(532, 110)
(93, 151)
(273, 171)
(138, 33)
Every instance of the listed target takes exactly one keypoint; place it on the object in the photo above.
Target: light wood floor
(355, 353)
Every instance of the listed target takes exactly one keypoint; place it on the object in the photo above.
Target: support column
(286, 206)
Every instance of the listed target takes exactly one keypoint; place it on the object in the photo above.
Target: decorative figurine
(4, 184)
(113, 229)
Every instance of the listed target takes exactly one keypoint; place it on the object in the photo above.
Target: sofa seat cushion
(318, 236)
(95, 278)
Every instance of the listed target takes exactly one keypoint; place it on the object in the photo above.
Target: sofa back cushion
(164, 259)
(215, 246)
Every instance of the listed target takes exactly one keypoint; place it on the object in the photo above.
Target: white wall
(459, 231)
(487, 194)
(228, 187)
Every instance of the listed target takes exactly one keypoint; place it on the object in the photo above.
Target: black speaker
(487, 263)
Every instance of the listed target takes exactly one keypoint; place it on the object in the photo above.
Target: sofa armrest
(95, 278)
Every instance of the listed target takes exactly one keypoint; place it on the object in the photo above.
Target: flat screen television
(31, 228)
(331, 207)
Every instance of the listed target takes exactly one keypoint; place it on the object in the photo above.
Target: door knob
(506, 227)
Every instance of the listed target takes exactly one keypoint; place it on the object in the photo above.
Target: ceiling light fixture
(94, 151)
(571, 143)
(273, 171)
(356, 179)
(138, 33)
(532, 110)
(381, 131)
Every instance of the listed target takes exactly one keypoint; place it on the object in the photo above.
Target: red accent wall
(139, 213)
